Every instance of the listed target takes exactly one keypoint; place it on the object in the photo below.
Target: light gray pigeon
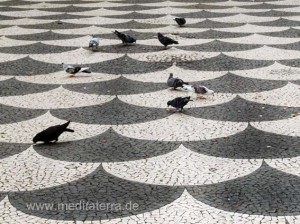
(75, 69)
(94, 43)
(199, 90)
(175, 82)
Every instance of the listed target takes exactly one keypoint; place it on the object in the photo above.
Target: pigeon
(126, 39)
(94, 43)
(198, 89)
(180, 21)
(73, 70)
(52, 133)
(175, 82)
(165, 40)
(179, 102)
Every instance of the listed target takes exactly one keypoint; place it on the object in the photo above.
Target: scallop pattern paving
(231, 158)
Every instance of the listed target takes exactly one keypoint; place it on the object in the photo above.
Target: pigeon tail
(65, 125)
(85, 70)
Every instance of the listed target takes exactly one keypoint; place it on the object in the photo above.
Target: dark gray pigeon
(180, 21)
(75, 69)
(125, 38)
(52, 133)
(175, 82)
(165, 40)
(179, 102)
(94, 43)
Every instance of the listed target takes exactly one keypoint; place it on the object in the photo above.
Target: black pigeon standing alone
(175, 82)
(126, 39)
(52, 133)
(179, 102)
(165, 40)
(180, 21)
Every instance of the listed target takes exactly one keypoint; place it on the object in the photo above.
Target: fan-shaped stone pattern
(131, 8)
(241, 110)
(132, 25)
(127, 65)
(202, 14)
(8, 9)
(14, 114)
(280, 22)
(249, 144)
(98, 187)
(273, 13)
(13, 87)
(33, 67)
(219, 46)
(290, 33)
(10, 149)
(203, 6)
(223, 63)
(135, 34)
(119, 86)
(69, 9)
(231, 83)
(213, 34)
(14, 3)
(135, 15)
(267, 6)
(115, 112)
(209, 24)
(292, 46)
(55, 25)
(182, 167)
(296, 82)
(291, 63)
(49, 35)
(8, 17)
(128, 49)
(107, 147)
(37, 48)
(266, 191)
(62, 16)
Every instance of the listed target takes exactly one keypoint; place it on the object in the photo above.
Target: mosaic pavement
(232, 158)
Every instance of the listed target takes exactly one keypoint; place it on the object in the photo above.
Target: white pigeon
(199, 90)
(75, 69)
(94, 43)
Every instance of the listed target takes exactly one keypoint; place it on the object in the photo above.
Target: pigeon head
(208, 91)
(169, 103)
(37, 138)
(171, 75)
(159, 35)
(188, 98)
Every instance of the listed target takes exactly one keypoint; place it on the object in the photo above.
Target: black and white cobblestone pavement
(233, 158)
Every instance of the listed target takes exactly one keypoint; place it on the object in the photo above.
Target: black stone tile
(28, 66)
(241, 110)
(107, 147)
(37, 48)
(249, 144)
(132, 8)
(132, 25)
(9, 9)
(224, 63)
(219, 46)
(267, 6)
(297, 82)
(289, 33)
(231, 83)
(213, 34)
(10, 149)
(266, 191)
(127, 65)
(119, 86)
(11, 114)
(203, 14)
(68, 9)
(8, 17)
(209, 24)
(203, 6)
(126, 49)
(49, 35)
(273, 13)
(114, 112)
(135, 34)
(292, 46)
(135, 15)
(62, 17)
(16, 3)
(55, 26)
(291, 63)
(13, 87)
(99, 187)
(279, 22)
